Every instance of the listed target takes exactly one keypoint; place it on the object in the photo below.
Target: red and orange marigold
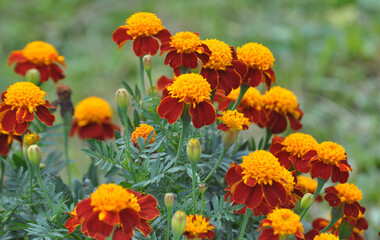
(142, 28)
(92, 119)
(280, 104)
(233, 120)
(184, 49)
(223, 71)
(259, 182)
(198, 227)
(329, 160)
(290, 150)
(113, 206)
(19, 103)
(41, 56)
(143, 130)
(259, 60)
(189, 92)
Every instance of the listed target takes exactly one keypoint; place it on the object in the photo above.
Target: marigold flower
(19, 102)
(307, 185)
(290, 150)
(142, 28)
(347, 194)
(198, 227)
(281, 222)
(223, 70)
(41, 56)
(259, 182)
(184, 48)
(233, 120)
(112, 205)
(6, 139)
(329, 160)
(280, 104)
(259, 60)
(92, 119)
(73, 222)
(143, 130)
(189, 92)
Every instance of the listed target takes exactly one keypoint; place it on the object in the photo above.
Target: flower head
(19, 102)
(281, 222)
(233, 120)
(143, 130)
(112, 205)
(143, 28)
(190, 90)
(41, 56)
(329, 159)
(347, 194)
(184, 49)
(92, 119)
(278, 105)
(199, 227)
(259, 182)
(292, 148)
(259, 60)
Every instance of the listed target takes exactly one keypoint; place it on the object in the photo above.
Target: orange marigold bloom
(184, 48)
(41, 56)
(92, 119)
(6, 139)
(198, 227)
(290, 150)
(259, 60)
(259, 182)
(143, 130)
(189, 92)
(347, 194)
(223, 70)
(280, 104)
(142, 28)
(281, 222)
(233, 120)
(112, 205)
(19, 102)
(329, 160)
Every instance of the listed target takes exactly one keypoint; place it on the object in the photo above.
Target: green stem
(243, 89)
(142, 76)
(244, 225)
(126, 130)
(149, 73)
(1, 173)
(268, 135)
(31, 176)
(66, 129)
(169, 221)
(224, 151)
(185, 129)
(194, 178)
(37, 169)
(202, 201)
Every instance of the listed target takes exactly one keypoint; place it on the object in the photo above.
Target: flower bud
(178, 223)
(307, 200)
(122, 98)
(202, 187)
(194, 150)
(33, 76)
(147, 62)
(34, 155)
(169, 200)
(228, 138)
(31, 138)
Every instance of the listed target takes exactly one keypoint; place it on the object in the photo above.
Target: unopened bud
(194, 150)
(34, 155)
(33, 76)
(178, 223)
(122, 98)
(147, 62)
(31, 138)
(229, 137)
(169, 200)
(306, 200)
(202, 187)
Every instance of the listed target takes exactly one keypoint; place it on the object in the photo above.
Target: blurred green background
(327, 52)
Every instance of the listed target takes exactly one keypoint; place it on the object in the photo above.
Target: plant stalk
(169, 221)
(66, 129)
(223, 153)
(243, 89)
(142, 76)
(194, 178)
(37, 169)
(245, 221)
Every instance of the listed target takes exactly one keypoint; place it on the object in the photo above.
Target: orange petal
(15, 56)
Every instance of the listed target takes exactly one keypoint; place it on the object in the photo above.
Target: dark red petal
(119, 234)
(20, 114)
(163, 82)
(231, 175)
(148, 205)
(170, 109)
(22, 68)
(211, 76)
(203, 57)
(95, 226)
(310, 235)
(189, 60)
(20, 128)
(203, 114)
(4, 148)
(276, 146)
(56, 72)
(163, 35)
(74, 128)
(138, 46)
(44, 72)
(223, 127)
(150, 45)
(44, 115)
(228, 80)
(144, 227)
(71, 224)
(348, 210)
(111, 218)
(120, 36)
(254, 77)
(84, 208)
(283, 158)
(268, 234)
(8, 121)
(240, 67)
(255, 197)
(129, 219)
(294, 123)
(175, 59)
(15, 56)
(91, 130)
(326, 171)
(271, 74)
(279, 124)
(333, 200)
